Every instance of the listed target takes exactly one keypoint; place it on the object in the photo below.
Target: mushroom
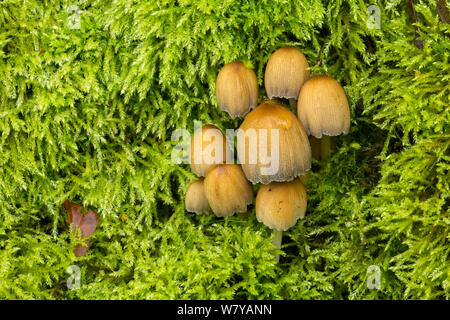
(323, 110)
(236, 89)
(227, 190)
(272, 145)
(195, 200)
(279, 205)
(208, 148)
(286, 71)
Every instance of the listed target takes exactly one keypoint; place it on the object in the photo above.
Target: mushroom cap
(322, 107)
(227, 190)
(195, 200)
(258, 148)
(236, 89)
(286, 71)
(280, 204)
(208, 148)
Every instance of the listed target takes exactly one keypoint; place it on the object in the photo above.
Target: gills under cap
(227, 190)
(272, 145)
(195, 200)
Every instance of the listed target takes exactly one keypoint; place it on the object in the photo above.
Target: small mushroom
(323, 110)
(236, 89)
(195, 200)
(286, 71)
(279, 205)
(208, 148)
(272, 145)
(315, 147)
(227, 190)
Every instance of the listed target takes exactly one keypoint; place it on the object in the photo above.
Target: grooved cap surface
(236, 89)
(323, 108)
(286, 71)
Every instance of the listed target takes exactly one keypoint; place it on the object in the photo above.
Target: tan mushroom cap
(280, 204)
(227, 190)
(323, 107)
(236, 89)
(257, 152)
(286, 71)
(208, 148)
(195, 200)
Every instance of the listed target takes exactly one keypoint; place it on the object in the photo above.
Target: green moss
(87, 115)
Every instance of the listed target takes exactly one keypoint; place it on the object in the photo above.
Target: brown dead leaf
(85, 222)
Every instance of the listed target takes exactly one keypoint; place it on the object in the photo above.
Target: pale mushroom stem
(293, 102)
(325, 146)
(277, 236)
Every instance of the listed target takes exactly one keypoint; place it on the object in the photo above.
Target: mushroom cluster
(221, 187)
(273, 146)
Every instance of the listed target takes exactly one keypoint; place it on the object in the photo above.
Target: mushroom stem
(293, 102)
(277, 236)
(305, 177)
(325, 147)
